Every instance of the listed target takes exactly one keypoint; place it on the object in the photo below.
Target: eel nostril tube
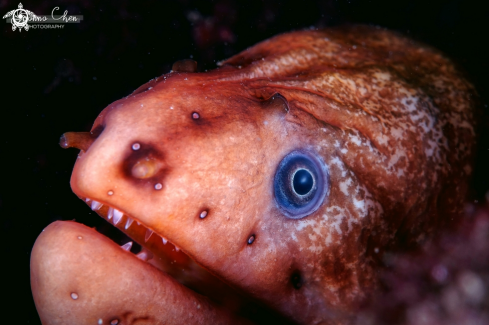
(144, 168)
(80, 140)
(186, 65)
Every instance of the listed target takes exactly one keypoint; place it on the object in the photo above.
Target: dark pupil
(302, 182)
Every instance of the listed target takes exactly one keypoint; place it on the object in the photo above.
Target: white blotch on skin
(359, 204)
(344, 186)
(293, 236)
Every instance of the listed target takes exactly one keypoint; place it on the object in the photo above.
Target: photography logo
(20, 17)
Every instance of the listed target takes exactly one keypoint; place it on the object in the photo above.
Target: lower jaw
(79, 276)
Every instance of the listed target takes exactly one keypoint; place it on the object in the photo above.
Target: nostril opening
(296, 280)
(144, 164)
(144, 168)
(97, 131)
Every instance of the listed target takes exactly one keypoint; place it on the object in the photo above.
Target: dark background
(55, 81)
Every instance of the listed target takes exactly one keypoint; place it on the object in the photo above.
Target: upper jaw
(161, 253)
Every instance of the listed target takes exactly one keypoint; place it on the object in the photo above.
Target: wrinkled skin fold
(387, 121)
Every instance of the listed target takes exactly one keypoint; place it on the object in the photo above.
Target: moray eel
(276, 181)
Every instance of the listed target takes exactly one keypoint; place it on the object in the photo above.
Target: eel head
(279, 178)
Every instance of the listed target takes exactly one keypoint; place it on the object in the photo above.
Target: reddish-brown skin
(391, 119)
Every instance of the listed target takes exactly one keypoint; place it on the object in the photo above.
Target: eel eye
(300, 184)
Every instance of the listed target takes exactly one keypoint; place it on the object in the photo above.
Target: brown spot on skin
(384, 92)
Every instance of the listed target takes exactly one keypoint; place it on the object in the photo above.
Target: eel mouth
(80, 276)
(167, 257)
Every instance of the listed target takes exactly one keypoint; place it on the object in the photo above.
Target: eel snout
(79, 276)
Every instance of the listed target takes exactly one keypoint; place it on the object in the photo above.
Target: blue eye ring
(298, 198)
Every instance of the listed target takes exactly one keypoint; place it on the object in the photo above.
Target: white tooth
(144, 255)
(176, 248)
(127, 246)
(87, 200)
(138, 223)
(148, 234)
(110, 213)
(96, 205)
(117, 216)
(128, 223)
(164, 240)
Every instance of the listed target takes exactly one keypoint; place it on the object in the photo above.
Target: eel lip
(79, 276)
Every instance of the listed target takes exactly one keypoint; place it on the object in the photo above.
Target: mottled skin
(392, 120)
